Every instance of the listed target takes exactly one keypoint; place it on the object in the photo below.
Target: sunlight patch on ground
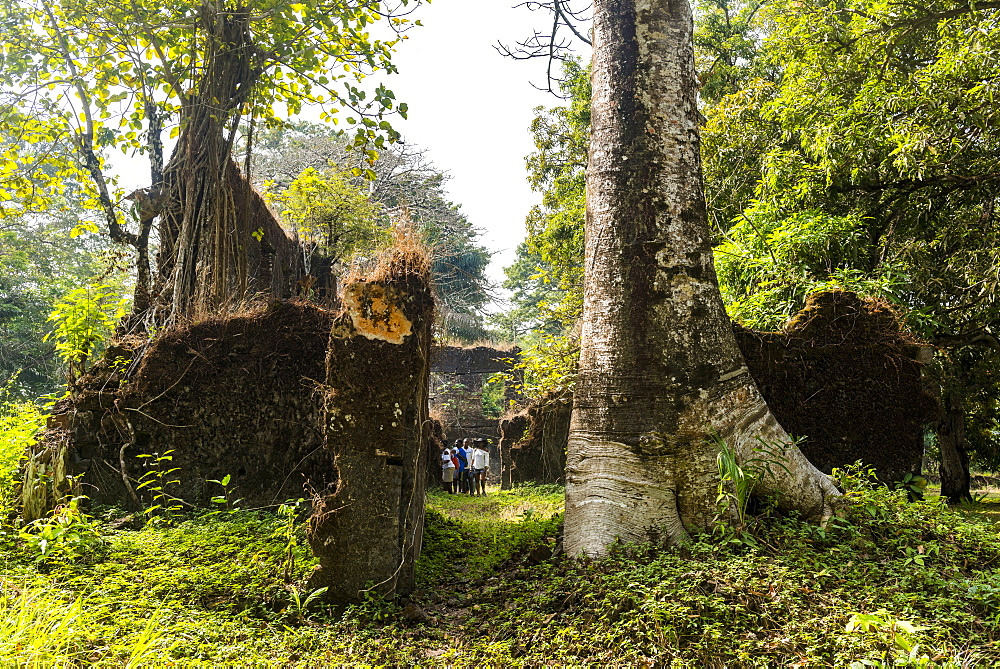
(505, 505)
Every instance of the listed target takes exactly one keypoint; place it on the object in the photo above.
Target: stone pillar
(512, 431)
(367, 534)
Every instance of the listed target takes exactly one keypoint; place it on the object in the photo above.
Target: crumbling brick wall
(368, 534)
(533, 441)
(289, 400)
(235, 396)
(843, 375)
(458, 377)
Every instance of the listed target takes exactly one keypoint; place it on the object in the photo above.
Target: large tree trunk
(659, 370)
(202, 261)
(955, 478)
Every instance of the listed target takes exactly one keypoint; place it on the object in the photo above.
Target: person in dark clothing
(463, 466)
(467, 447)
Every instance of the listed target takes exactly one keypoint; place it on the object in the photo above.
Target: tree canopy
(878, 138)
(42, 259)
(113, 77)
(315, 163)
(869, 163)
(848, 145)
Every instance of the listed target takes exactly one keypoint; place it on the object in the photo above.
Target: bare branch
(975, 338)
(550, 44)
(85, 141)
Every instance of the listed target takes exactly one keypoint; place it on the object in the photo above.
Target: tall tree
(114, 75)
(332, 219)
(558, 170)
(546, 279)
(727, 42)
(871, 163)
(400, 181)
(660, 371)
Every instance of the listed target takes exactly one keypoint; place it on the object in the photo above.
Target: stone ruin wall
(235, 397)
(533, 441)
(846, 377)
(458, 376)
(842, 374)
(289, 401)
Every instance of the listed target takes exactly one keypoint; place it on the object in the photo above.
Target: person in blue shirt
(467, 446)
(463, 465)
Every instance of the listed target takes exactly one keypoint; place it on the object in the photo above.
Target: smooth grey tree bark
(660, 371)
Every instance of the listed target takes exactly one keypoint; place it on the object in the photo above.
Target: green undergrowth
(890, 583)
(19, 423)
(468, 535)
(211, 583)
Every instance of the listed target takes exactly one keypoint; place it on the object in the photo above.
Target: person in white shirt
(448, 470)
(480, 466)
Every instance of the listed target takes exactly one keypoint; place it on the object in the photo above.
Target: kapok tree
(115, 75)
(661, 383)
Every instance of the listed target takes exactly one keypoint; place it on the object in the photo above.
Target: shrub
(19, 423)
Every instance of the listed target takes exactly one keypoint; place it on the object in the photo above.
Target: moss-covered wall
(533, 441)
(368, 534)
(843, 375)
(288, 401)
(847, 378)
(274, 259)
(233, 396)
(458, 375)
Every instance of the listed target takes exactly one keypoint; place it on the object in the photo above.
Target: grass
(916, 583)
(985, 509)
(219, 588)
(470, 535)
(42, 627)
(207, 582)
(19, 422)
(505, 506)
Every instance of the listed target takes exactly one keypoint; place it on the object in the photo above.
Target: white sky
(470, 108)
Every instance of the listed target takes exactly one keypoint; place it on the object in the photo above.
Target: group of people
(464, 467)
